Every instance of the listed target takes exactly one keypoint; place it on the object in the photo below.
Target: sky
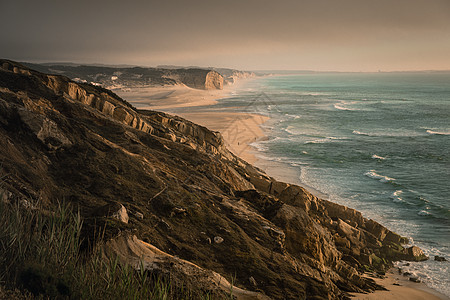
(321, 35)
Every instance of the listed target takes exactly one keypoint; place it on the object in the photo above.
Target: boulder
(130, 250)
(439, 258)
(414, 254)
(46, 130)
(113, 210)
(218, 239)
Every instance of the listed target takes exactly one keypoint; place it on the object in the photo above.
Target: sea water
(377, 142)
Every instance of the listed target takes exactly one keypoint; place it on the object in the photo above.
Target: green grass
(40, 253)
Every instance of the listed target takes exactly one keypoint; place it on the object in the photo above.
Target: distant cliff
(231, 75)
(128, 77)
(178, 201)
(197, 78)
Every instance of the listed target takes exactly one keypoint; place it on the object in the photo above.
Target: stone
(164, 224)
(120, 214)
(218, 239)
(177, 211)
(414, 253)
(440, 258)
(415, 279)
(252, 281)
(114, 210)
(46, 130)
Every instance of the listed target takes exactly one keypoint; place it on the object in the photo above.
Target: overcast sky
(343, 35)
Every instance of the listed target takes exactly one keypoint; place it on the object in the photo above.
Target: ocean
(376, 142)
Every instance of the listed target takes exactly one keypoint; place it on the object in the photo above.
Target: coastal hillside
(230, 76)
(131, 77)
(173, 200)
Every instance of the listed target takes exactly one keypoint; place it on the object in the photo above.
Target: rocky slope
(169, 191)
(127, 77)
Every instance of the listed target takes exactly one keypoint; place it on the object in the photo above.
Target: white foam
(391, 133)
(437, 132)
(375, 175)
(359, 132)
(325, 140)
(337, 106)
(306, 93)
(318, 141)
(289, 130)
(259, 147)
(396, 196)
(423, 213)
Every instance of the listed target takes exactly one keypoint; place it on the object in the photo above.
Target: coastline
(239, 131)
(399, 287)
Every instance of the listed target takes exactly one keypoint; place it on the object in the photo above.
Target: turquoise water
(378, 143)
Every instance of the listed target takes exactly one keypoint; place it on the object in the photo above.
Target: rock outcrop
(190, 202)
(197, 78)
(112, 77)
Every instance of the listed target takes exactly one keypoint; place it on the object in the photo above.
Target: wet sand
(399, 287)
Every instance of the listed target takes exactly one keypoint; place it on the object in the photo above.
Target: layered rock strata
(185, 198)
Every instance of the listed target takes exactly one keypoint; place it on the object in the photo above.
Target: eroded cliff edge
(192, 208)
(131, 77)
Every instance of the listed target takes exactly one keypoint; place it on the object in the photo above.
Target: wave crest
(396, 196)
(432, 132)
(359, 133)
(373, 174)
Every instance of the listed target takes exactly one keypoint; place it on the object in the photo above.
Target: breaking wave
(373, 174)
(438, 132)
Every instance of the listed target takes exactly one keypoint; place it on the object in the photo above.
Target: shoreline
(239, 131)
(399, 287)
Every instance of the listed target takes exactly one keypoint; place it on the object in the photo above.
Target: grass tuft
(41, 255)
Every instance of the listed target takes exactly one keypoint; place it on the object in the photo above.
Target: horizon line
(124, 65)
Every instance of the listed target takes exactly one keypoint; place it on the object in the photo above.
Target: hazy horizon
(321, 35)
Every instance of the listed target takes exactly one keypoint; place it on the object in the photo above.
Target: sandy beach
(239, 131)
(166, 97)
(399, 287)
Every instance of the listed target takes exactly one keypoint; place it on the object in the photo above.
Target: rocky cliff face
(112, 77)
(184, 202)
(197, 78)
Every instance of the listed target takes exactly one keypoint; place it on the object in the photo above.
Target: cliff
(197, 78)
(230, 76)
(184, 203)
(128, 77)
